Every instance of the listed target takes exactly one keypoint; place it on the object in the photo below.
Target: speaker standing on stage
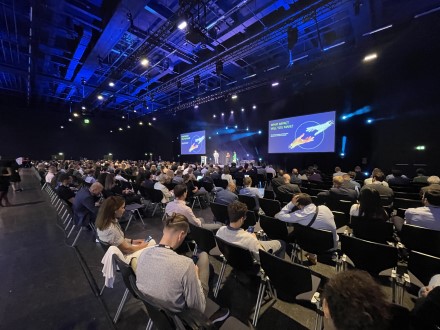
(228, 156)
(234, 157)
(215, 157)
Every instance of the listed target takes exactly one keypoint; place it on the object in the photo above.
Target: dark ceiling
(88, 54)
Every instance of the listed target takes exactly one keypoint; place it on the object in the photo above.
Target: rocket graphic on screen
(196, 143)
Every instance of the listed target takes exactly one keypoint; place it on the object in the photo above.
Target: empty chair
(134, 210)
(250, 201)
(421, 239)
(375, 230)
(204, 239)
(220, 212)
(401, 204)
(316, 241)
(251, 220)
(269, 194)
(274, 228)
(292, 283)
(339, 205)
(423, 266)
(270, 207)
(341, 219)
(284, 198)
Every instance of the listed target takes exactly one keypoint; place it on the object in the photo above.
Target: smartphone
(149, 238)
(250, 229)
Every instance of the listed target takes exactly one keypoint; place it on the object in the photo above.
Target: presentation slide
(193, 143)
(310, 133)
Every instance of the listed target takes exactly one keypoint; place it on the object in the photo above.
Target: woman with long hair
(370, 205)
(110, 232)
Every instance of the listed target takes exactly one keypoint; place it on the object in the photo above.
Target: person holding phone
(110, 232)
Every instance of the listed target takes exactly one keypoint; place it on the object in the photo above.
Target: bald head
(96, 188)
(286, 178)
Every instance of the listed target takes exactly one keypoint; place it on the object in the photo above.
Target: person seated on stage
(434, 183)
(179, 206)
(226, 174)
(173, 279)
(396, 178)
(64, 191)
(233, 233)
(352, 300)
(301, 210)
(195, 191)
(85, 205)
(166, 193)
(226, 196)
(338, 192)
(427, 216)
(110, 232)
(287, 187)
(369, 206)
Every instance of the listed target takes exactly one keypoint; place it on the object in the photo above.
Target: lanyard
(164, 246)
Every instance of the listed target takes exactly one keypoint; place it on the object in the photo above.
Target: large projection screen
(193, 143)
(309, 133)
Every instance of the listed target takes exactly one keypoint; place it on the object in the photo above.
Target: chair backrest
(221, 183)
(248, 200)
(128, 275)
(312, 240)
(251, 220)
(375, 230)
(269, 194)
(207, 185)
(341, 219)
(220, 212)
(404, 203)
(339, 205)
(423, 266)
(421, 239)
(161, 319)
(239, 182)
(236, 256)
(289, 279)
(270, 206)
(104, 245)
(284, 197)
(369, 256)
(156, 195)
(274, 228)
(204, 238)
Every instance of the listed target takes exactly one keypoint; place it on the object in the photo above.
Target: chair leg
(121, 306)
(71, 230)
(102, 290)
(316, 299)
(129, 220)
(149, 324)
(77, 236)
(260, 296)
(140, 217)
(154, 210)
(220, 278)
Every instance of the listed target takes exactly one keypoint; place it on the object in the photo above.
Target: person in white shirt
(215, 157)
(51, 174)
(427, 216)
(370, 180)
(167, 195)
(226, 174)
(301, 210)
(233, 233)
(179, 206)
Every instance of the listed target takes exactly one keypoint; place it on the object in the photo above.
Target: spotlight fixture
(223, 113)
(70, 119)
(242, 109)
(144, 62)
(247, 128)
(100, 97)
(276, 83)
(196, 106)
(134, 111)
(120, 129)
(154, 118)
(61, 126)
(232, 112)
(141, 123)
(182, 24)
(149, 124)
(254, 107)
(75, 114)
(214, 116)
(111, 84)
(369, 121)
(235, 126)
(370, 57)
(83, 108)
(259, 132)
(123, 117)
(111, 131)
(226, 127)
(128, 126)
(86, 121)
(234, 96)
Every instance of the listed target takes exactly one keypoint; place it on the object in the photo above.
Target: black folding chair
(251, 220)
(205, 240)
(375, 230)
(220, 212)
(284, 198)
(249, 201)
(341, 219)
(291, 283)
(269, 194)
(421, 239)
(270, 207)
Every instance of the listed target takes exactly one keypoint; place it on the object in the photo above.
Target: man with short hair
(434, 183)
(338, 172)
(179, 206)
(172, 280)
(338, 192)
(64, 190)
(427, 216)
(370, 180)
(287, 187)
(294, 177)
(378, 184)
(233, 233)
(226, 196)
(301, 210)
(85, 205)
(396, 178)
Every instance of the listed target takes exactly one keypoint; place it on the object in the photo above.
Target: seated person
(301, 210)
(110, 232)
(64, 191)
(111, 188)
(426, 312)
(171, 278)
(233, 233)
(421, 176)
(349, 181)
(396, 178)
(86, 205)
(370, 180)
(160, 185)
(179, 206)
(338, 192)
(352, 300)
(434, 183)
(287, 187)
(178, 177)
(377, 183)
(226, 196)
(195, 191)
(369, 206)
(248, 190)
(427, 216)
